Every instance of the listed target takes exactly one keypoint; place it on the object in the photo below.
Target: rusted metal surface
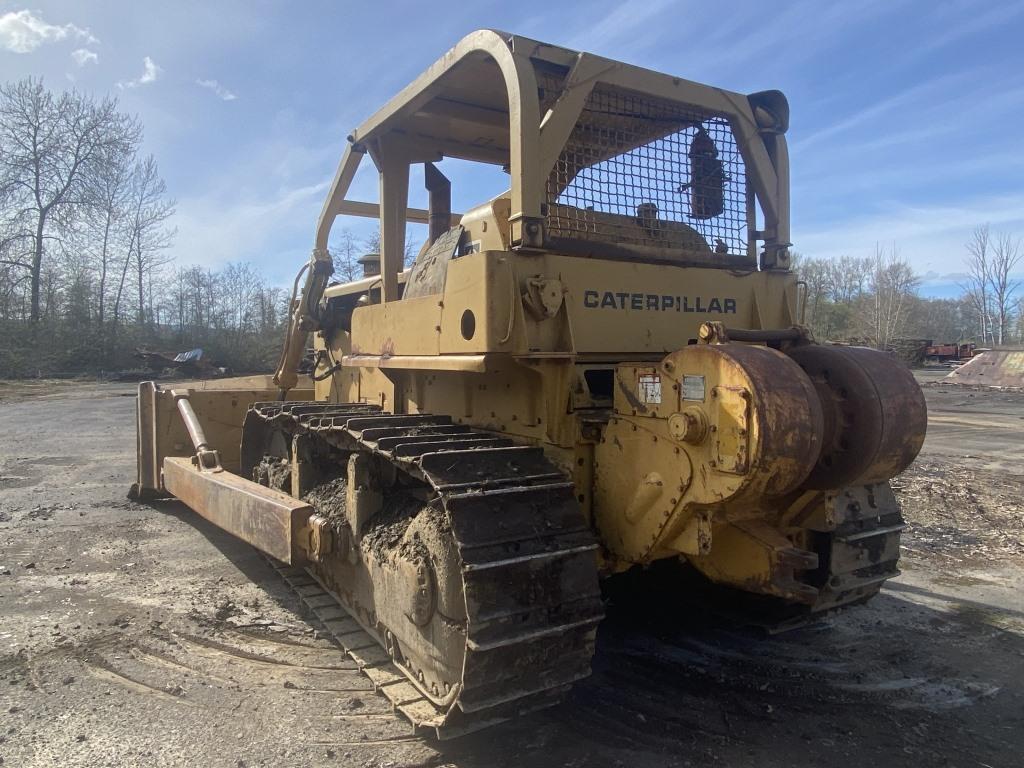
(737, 457)
(476, 574)
(875, 414)
(206, 456)
(147, 484)
(714, 428)
(439, 199)
(948, 352)
(271, 521)
(218, 408)
(717, 332)
(428, 273)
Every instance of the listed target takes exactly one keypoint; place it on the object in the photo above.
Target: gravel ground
(137, 635)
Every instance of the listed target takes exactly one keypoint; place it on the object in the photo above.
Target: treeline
(85, 273)
(875, 300)
(85, 224)
(990, 290)
(86, 276)
(82, 212)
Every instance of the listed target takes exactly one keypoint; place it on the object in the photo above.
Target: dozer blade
(220, 408)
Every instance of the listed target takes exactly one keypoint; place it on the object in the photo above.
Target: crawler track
(527, 560)
(856, 557)
(864, 549)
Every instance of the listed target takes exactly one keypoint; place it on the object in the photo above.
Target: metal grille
(641, 171)
(550, 86)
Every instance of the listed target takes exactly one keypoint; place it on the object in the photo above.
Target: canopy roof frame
(534, 141)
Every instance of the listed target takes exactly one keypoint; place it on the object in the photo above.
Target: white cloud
(83, 56)
(621, 27)
(23, 32)
(150, 72)
(921, 93)
(930, 236)
(217, 88)
(216, 228)
(972, 23)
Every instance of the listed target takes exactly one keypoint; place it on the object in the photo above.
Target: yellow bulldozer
(600, 368)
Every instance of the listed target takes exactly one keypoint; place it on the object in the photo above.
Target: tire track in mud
(319, 699)
(213, 671)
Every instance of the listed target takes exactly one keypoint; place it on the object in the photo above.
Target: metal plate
(267, 519)
(428, 273)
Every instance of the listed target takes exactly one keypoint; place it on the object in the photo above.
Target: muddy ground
(133, 635)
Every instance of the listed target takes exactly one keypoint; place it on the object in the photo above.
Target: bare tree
(107, 204)
(814, 274)
(835, 287)
(272, 299)
(53, 146)
(940, 320)
(372, 242)
(372, 245)
(146, 231)
(345, 253)
(84, 227)
(847, 278)
(239, 285)
(892, 283)
(976, 287)
(1006, 255)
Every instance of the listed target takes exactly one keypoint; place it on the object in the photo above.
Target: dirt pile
(1003, 368)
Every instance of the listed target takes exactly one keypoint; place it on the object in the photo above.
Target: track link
(527, 558)
(864, 549)
(857, 553)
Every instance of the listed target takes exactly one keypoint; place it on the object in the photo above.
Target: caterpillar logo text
(657, 302)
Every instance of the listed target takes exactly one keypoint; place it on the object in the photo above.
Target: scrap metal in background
(190, 363)
(949, 353)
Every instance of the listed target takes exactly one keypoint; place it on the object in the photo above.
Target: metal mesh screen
(640, 171)
(549, 87)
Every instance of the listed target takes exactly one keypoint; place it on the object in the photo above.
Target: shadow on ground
(882, 684)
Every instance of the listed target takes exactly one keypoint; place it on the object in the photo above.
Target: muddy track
(526, 571)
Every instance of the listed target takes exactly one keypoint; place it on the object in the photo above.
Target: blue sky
(907, 117)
